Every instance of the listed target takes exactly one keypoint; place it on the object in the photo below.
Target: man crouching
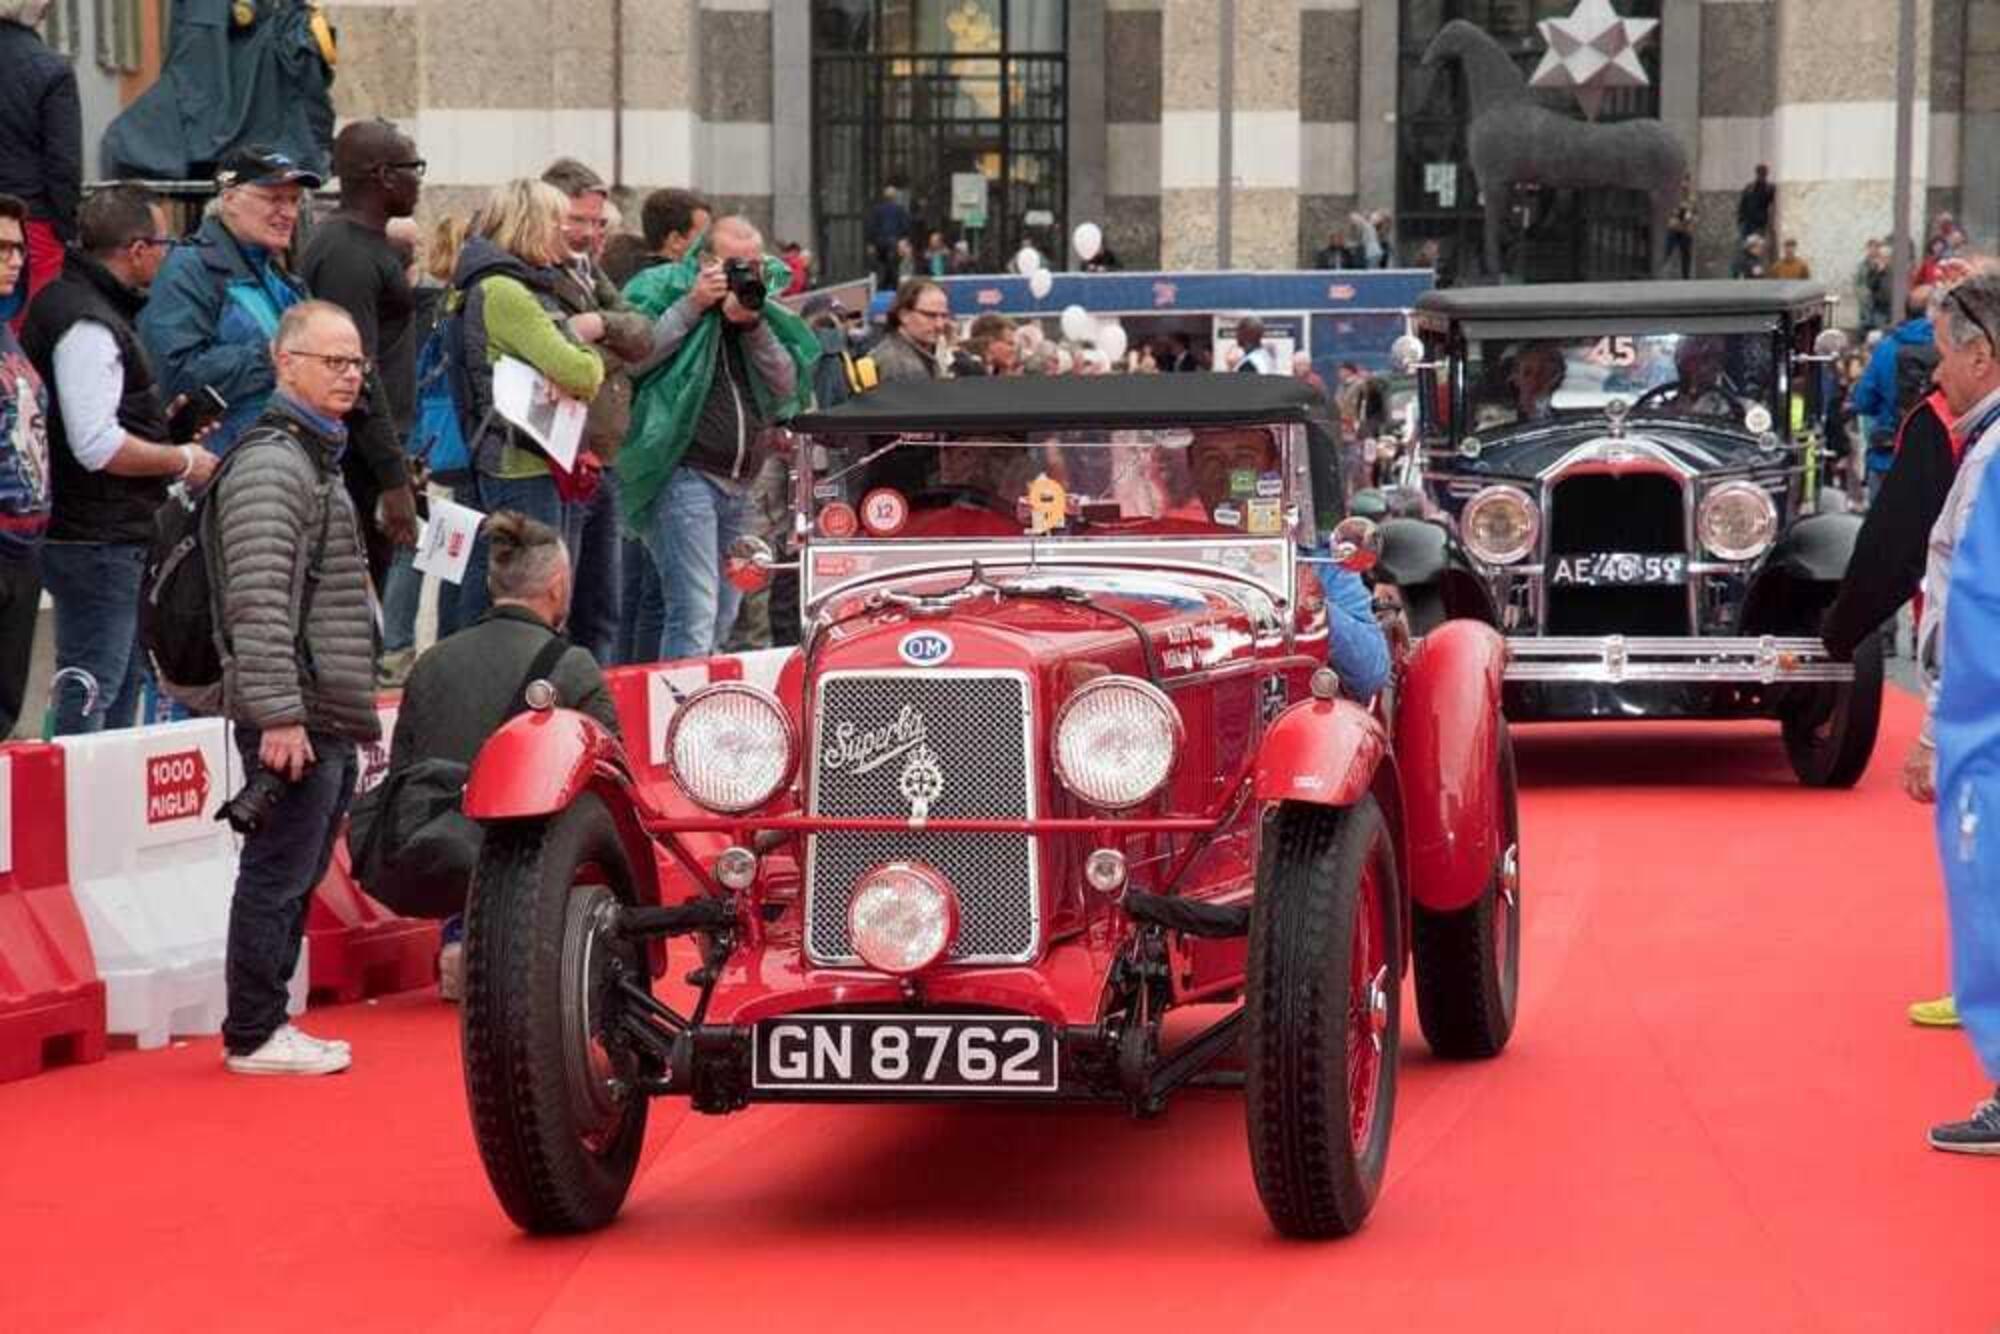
(298, 672)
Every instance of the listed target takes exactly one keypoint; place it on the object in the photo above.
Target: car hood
(1057, 615)
(1699, 449)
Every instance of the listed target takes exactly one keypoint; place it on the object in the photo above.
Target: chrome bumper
(1614, 659)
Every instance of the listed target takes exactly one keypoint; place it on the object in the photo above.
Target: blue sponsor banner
(1353, 315)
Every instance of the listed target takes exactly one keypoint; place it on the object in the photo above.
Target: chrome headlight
(1500, 525)
(1737, 521)
(1116, 741)
(731, 747)
(902, 918)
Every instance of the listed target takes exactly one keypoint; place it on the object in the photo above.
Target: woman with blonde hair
(503, 293)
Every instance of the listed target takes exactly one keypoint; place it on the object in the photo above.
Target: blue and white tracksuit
(1965, 720)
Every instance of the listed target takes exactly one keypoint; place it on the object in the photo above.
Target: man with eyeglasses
(348, 259)
(111, 454)
(216, 304)
(919, 319)
(298, 621)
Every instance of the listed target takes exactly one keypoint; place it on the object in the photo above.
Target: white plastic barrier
(153, 871)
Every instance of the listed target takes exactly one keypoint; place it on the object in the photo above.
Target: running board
(1614, 659)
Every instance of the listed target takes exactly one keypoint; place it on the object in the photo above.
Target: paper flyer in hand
(524, 396)
(446, 542)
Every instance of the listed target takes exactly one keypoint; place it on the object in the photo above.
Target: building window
(62, 27)
(1553, 235)
(916, 93)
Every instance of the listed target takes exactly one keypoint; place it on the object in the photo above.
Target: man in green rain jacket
(724, 367)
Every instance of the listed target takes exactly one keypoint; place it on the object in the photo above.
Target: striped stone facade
(716, 95)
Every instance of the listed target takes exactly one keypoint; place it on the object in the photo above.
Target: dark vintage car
(1058, 799)
(1625, 478)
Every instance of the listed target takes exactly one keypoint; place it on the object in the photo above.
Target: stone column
(1833, 128)
(733, 107)
(1738, 51)
(1265, 148)
(1132, 53)
(1190, 134)
(1979, 126)
(792, 213)
(1329, 108)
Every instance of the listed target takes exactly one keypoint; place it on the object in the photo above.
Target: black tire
(1469, 962)
(1830, 730)
(1317, 1171)
(560, 1143)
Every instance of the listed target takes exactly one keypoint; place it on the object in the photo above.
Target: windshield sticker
(1267, 517)
(1270, 484)
(925, 648)
(883, 512)
(837, 520)
(1242, 482)
(1228, 516)
(1047, 503)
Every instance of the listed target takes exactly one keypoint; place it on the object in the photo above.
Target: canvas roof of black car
(1551, 309)
(1057, 403)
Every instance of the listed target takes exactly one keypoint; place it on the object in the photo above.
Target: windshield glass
(1716, 377)
(1231, 481)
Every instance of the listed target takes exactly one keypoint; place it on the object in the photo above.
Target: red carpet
(1712, 1118)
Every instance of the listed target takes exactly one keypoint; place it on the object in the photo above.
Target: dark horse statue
(1514, 140)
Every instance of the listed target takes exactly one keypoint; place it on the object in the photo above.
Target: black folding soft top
(1753, 296)
(1057, 403)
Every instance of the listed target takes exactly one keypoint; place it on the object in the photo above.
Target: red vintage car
(1060, 756)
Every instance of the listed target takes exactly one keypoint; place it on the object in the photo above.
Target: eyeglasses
(1957, 295)
(339, 365)
(154, 242)
(415, 166)
(932, 314)
(8, 249)
(276, 203)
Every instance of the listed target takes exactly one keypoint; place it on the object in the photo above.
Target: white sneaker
(451, 972)
(290, 1052)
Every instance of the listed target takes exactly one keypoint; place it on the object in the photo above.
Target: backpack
(25, 498)
(178, 624)
(839, 375)
(412, 845)
(1915, 364)
(438, 436)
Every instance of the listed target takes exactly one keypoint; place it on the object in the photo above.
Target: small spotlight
(1105, 870)
(736, 868)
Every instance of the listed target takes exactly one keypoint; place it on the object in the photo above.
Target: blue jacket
(1356, 648)
(209, 321)
(1875, 396)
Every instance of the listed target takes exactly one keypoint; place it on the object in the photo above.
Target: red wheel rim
(1367, 1010)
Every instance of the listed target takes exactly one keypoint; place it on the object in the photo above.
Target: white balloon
(1088, 240)
(1041, 282)
(1111, 341)
(1028, 260)
(1077, 326)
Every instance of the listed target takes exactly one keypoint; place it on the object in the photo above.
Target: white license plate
(904, 1053)
(1618, 569)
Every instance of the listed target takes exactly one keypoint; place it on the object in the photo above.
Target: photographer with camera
(726, 364)
(298, 671)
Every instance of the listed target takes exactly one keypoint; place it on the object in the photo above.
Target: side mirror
(1829, 346)
(1406, 355)
(748, 565)
(1357, 544)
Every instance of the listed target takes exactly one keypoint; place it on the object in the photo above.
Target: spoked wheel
(1323, 1012)
(555, 1099)
(1830, 729)
(1469, 961)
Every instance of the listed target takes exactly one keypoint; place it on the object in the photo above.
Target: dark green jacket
(464, 687)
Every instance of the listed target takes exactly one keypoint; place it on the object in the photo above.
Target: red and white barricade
(51, 1001)
(153, 872)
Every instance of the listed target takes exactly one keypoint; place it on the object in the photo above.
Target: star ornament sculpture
(1591, 52)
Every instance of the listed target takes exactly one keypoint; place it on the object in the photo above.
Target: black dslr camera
(247, 811)
(746, 282)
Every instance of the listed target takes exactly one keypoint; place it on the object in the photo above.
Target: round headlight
(1737, 521)
(902, 918)
(1116, 740)
(1499, 525)
(731, 747)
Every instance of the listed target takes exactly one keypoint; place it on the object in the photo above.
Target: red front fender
(1325, 752)
(1448, 750)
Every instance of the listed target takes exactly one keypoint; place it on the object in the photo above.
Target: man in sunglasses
(348, 259)
(111, 452)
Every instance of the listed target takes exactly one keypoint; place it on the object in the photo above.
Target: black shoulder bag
(413, 847)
